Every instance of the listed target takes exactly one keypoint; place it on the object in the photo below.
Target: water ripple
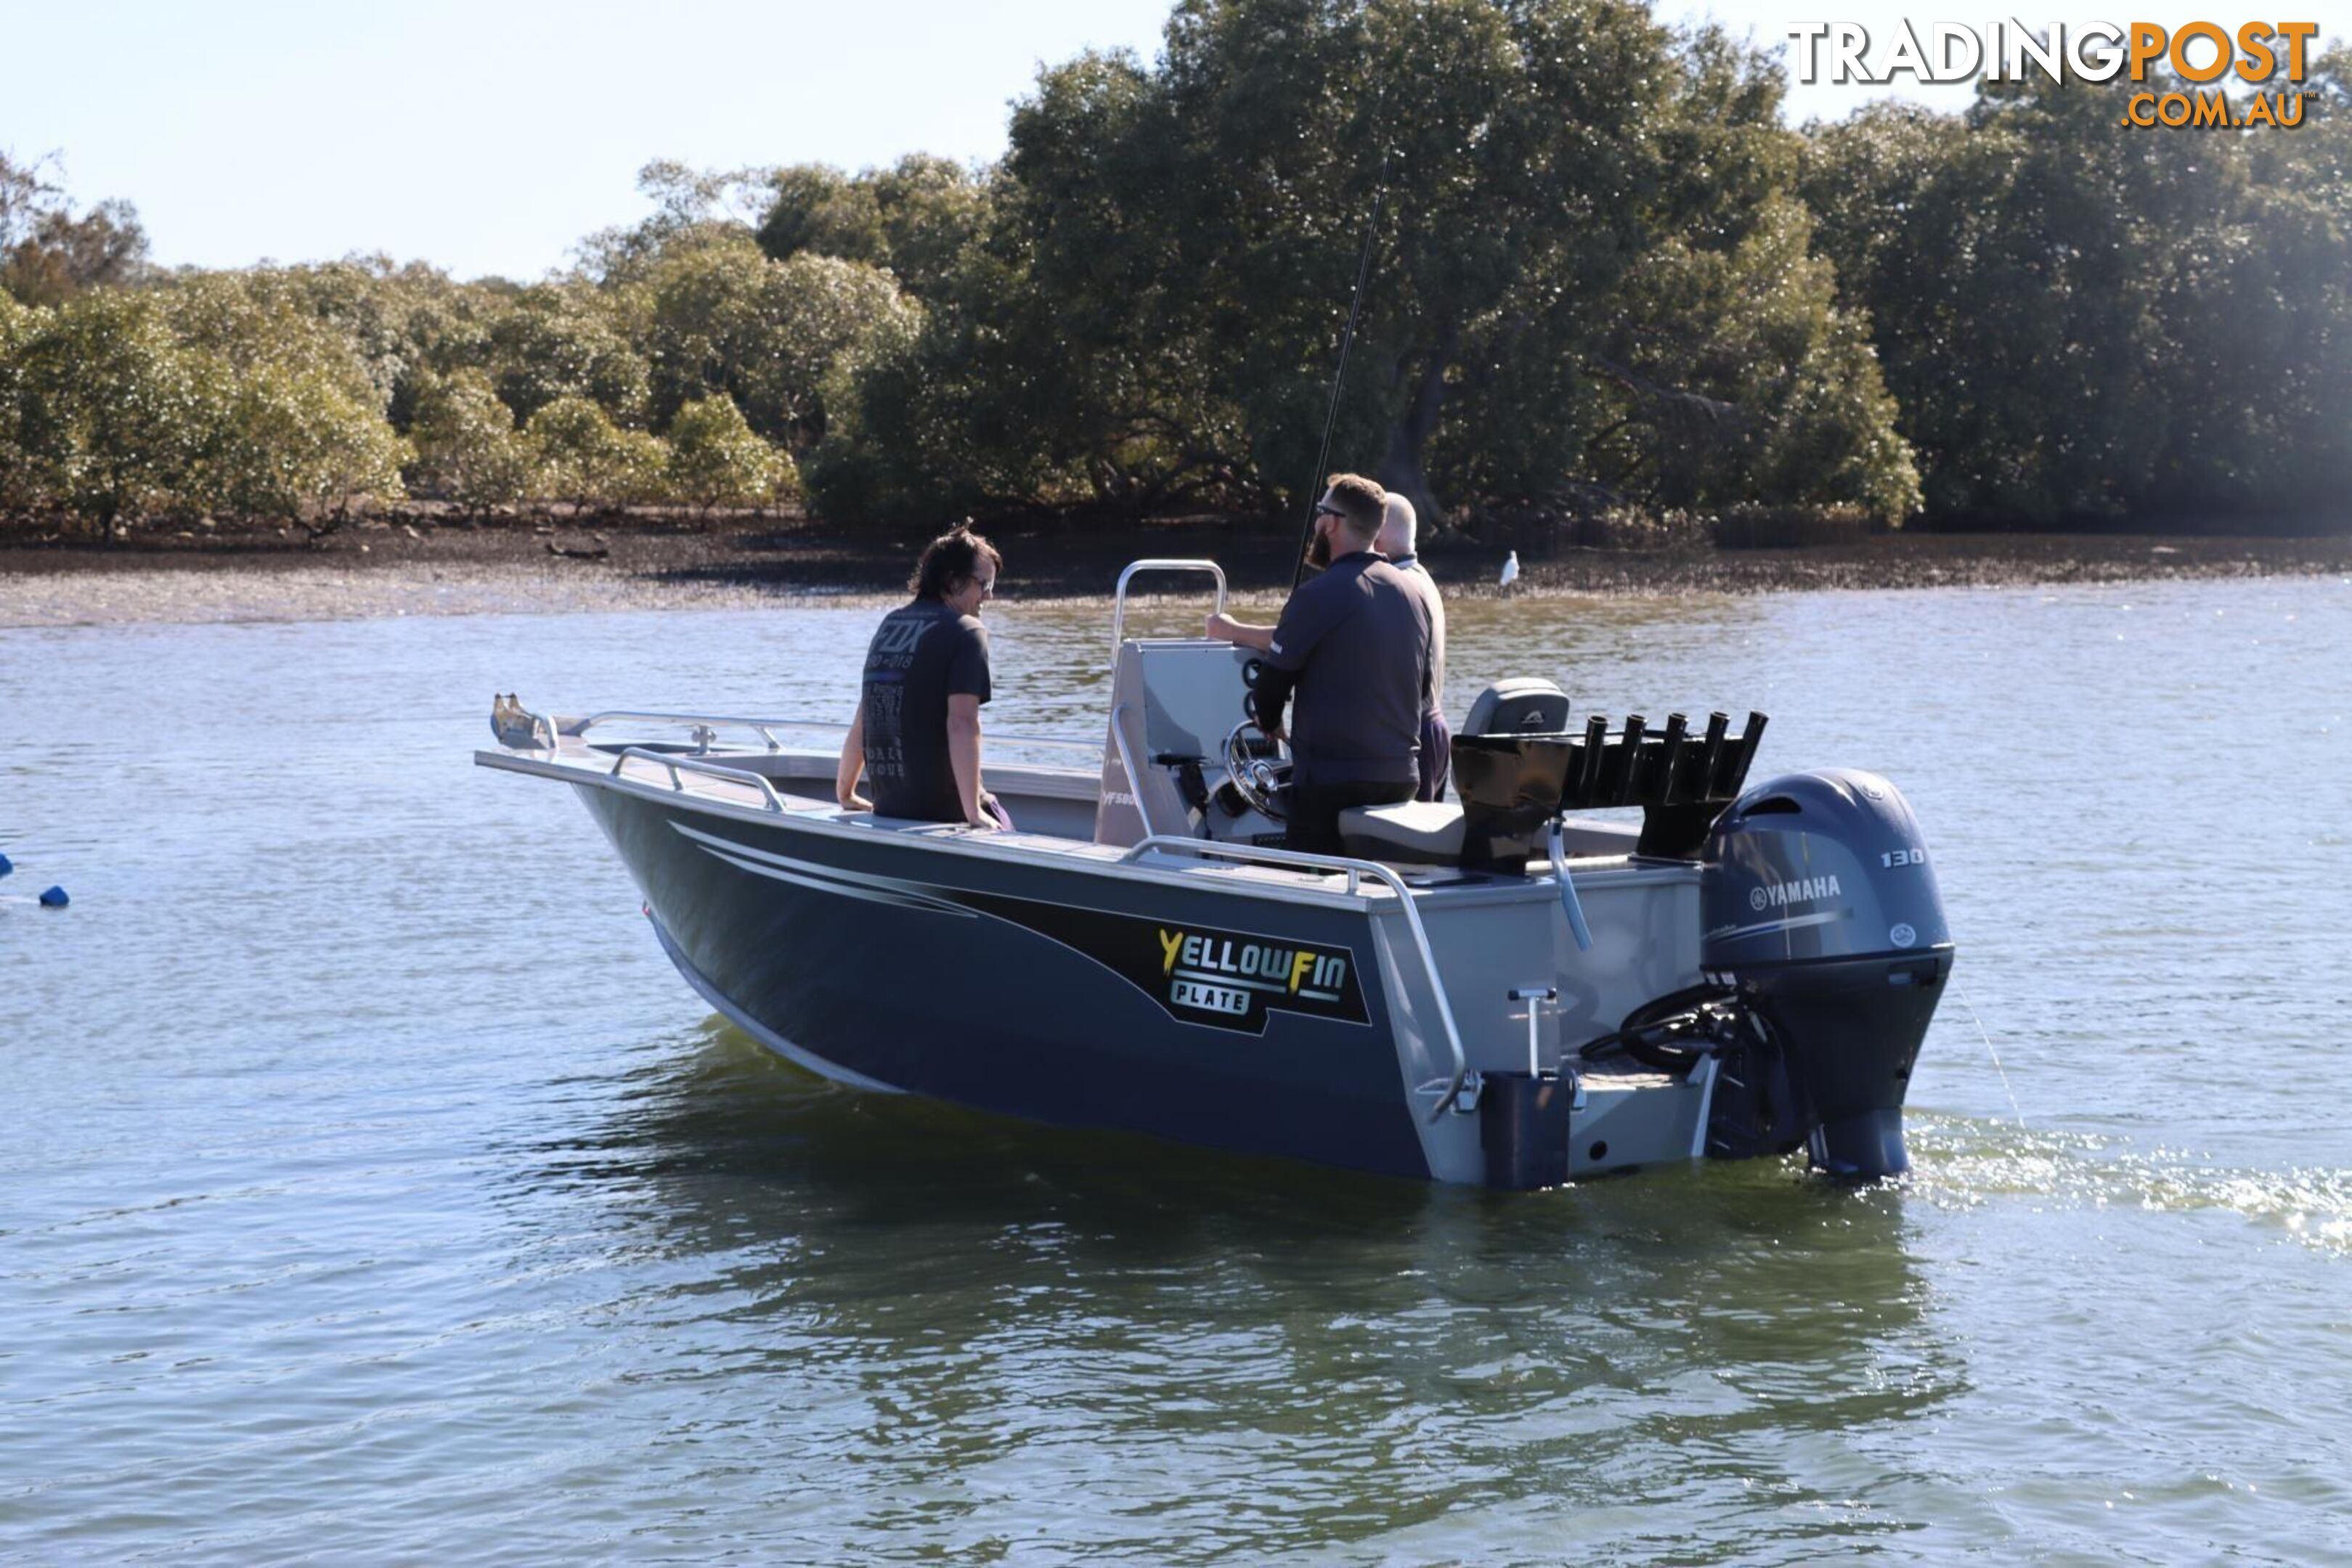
(375, 1190)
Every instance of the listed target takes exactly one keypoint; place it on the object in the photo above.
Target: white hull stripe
(846, 890)
(1793, 923)
(822, 878)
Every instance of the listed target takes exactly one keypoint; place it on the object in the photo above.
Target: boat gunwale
(569, 765)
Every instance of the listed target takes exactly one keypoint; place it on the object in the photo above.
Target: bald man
(1399, 524)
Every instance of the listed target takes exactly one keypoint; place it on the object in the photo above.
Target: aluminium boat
(1614, 951)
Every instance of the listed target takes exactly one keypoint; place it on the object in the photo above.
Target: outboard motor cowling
(1526, 705)
(1820, 906)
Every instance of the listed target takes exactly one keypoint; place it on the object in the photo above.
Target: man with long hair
(915, 735)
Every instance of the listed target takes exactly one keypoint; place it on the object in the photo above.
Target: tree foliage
(291, 421)
(112, 412)
(914, 218)
(689, 205)
(784, 340)
(288, 441)
(19, 325)
(2082, 321)
(717, 460)
(467, 450)
(581, 457)
(554, 343)
(1566, 196)
(49, 252)
(1604, 275)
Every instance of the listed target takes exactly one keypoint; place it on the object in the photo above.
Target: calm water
(370, 1187)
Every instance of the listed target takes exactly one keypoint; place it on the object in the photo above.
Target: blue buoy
(54, 898)
(6, 865)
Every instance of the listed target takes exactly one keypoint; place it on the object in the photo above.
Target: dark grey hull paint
(873, 957)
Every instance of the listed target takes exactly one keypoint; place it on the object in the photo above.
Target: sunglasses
(1323, 509)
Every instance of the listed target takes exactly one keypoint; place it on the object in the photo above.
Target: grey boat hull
(1027, 989)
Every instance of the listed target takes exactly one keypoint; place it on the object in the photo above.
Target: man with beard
(1354, 644)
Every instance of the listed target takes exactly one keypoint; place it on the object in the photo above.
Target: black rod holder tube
(1629, 778)
(1734, 767)
(1717, 724)
(1596, 739)
(1678, 731)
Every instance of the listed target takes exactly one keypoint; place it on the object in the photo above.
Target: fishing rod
(1339, 376)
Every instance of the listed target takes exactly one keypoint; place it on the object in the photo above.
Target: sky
(491, 138)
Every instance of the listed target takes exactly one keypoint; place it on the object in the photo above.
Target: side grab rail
(765, 729)
(1118, 599)
(678, 765)
(1356, 870)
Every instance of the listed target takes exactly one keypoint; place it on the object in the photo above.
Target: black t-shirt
(1358, 636)
(921, 654)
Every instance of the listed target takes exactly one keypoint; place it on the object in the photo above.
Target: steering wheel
(1259, 771)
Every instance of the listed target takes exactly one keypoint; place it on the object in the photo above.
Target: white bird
(1510, 568)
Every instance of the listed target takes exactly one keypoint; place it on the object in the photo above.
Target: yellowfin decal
(1229, 979)
(1233, 980)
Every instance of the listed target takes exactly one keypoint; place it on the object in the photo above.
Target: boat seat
(1415, 833)
(1429, 832)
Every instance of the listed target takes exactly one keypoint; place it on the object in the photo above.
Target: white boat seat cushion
(1418, 832)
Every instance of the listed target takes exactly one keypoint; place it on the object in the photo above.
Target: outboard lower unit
(1820, 908)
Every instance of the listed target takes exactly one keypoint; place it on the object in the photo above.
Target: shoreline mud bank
(398, 568)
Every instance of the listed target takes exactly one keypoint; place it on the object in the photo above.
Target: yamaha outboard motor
(1822, 908)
